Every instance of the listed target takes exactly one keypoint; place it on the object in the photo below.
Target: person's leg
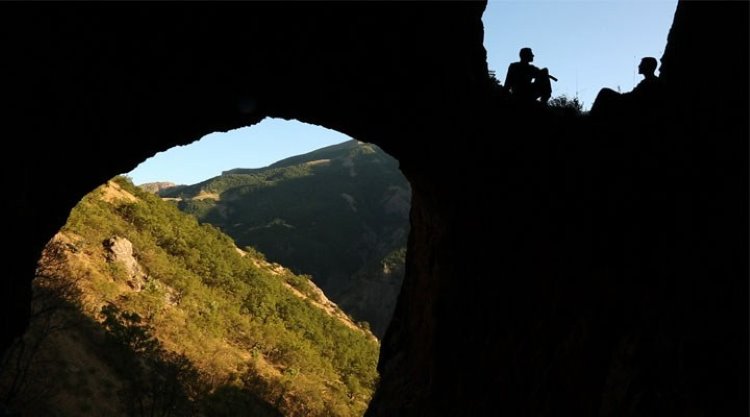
(542, 87)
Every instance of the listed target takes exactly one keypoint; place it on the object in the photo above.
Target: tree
(566, 105)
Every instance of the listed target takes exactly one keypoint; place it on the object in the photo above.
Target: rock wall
(611, 277)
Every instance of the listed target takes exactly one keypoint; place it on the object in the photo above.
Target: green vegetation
(566, 106)
(334, 214)
(209, 329)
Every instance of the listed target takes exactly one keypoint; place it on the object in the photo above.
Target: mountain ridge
(314, 155)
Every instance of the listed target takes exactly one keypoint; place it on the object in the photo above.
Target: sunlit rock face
(556, 266)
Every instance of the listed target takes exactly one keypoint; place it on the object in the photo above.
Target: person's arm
(544, 72)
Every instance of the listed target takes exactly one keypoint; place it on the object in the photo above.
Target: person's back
(519, 80)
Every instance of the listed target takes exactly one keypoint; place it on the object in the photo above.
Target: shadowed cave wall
(556, 266)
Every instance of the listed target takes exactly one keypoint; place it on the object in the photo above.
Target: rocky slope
(139, 305)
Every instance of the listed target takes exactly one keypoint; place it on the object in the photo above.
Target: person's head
(526, 55)
(647, 66)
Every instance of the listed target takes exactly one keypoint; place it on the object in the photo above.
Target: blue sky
(249, 147)
(587, 45)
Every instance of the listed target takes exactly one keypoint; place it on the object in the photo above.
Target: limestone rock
(120, 250)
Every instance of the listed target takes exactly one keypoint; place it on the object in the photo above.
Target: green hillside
(155, 314)
(338, 214)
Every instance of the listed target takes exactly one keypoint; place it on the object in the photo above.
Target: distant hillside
(339, 214)
(141, 311)
(155, 187)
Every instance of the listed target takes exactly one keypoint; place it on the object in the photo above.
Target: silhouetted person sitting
(644, 95)
(527, 82)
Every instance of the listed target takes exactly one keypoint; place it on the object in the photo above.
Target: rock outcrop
(119, 250)
(615, 281)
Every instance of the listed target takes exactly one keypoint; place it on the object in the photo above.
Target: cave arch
(120, 270)
(87, 76)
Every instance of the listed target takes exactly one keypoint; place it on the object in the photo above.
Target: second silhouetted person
(644, 99)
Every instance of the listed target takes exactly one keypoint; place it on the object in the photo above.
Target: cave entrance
(194, 281)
